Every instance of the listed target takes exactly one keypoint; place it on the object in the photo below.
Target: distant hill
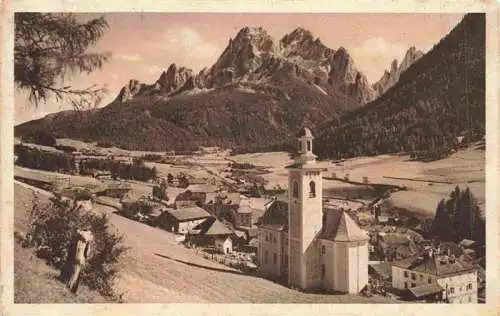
(437, 99)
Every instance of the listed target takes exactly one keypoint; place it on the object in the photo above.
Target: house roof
(435, 265)
(188, 213)
(245, 209)
(211, 227)
(394, 239)
(119, 186)
(339, 226)
(467, 243)
(383, 269)
(275, 216)
(202, 188)
(426, 289)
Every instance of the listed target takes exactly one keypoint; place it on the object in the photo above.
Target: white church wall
(341, 267)
(357, 273)
(328, 259)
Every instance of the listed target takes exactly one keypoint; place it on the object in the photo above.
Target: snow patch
(320, 89)
(198, 91)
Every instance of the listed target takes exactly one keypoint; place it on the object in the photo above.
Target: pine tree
(48, 47)
(441, 224)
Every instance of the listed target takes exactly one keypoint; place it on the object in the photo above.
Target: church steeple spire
(305, 146)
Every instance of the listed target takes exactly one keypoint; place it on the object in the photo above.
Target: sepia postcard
(212, 157)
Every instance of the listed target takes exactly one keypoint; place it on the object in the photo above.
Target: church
(306, 245)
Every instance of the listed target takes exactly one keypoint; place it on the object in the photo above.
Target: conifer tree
(50, 47)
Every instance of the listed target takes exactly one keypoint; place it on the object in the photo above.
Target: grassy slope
(34, 280)
(182, 277)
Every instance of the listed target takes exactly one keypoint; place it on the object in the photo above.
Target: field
(158, 270)
(435, 180)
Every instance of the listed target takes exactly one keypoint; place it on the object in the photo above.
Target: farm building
(181, 220)
(395, 246)
(207, 232)
(224, 244)
(230, 207)
(115, 190)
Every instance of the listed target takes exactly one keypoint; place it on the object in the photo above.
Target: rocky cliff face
(253, 56)
(173, 79)
(389, 78)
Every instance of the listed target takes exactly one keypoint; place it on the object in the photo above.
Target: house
(304, 243)
(197, 193)
(181, 220)
(434, 276)
(467, 244)
(208, 232)
(230, 206)
(395, 246)
(116, 190)
(224, 244)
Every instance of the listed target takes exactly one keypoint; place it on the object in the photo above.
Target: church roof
(339, 226)
(304, 132)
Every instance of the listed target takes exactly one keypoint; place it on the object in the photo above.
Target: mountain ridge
(254, 97)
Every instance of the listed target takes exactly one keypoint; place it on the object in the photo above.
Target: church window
(275, 258)
(308, 145)
(274, 238)
(413, 276)
(323, 272)
(323, 250)
(295, 189)
(406, 285)
(266, 237)
(452, 290)
(300, 145)
(265, 256)
(312, 189)
(406, 274)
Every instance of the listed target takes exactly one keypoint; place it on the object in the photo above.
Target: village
(233, 210)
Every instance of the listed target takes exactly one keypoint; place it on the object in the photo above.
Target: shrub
(51, 231)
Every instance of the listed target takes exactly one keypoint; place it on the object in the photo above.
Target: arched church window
(312, 189)
(308, 145)
(295, 189)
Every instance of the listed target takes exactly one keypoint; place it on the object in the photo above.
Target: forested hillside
(440, 97)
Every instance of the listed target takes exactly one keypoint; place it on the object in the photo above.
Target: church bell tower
(305, 214)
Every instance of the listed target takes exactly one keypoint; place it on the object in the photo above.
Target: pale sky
(145, 44)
